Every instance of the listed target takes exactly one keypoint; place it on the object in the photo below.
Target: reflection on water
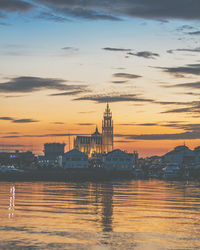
(108, 215)
(11, 207)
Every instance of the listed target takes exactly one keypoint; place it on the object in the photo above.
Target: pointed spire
(107, 107)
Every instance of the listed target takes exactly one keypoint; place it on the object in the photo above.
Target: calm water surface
(110, 215)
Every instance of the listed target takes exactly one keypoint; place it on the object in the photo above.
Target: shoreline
(61, 175)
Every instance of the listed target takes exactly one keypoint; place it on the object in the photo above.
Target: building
(180, 155)
(74, 159)
(97, 143)
(18, 159)
(119, 160)
(53, 150)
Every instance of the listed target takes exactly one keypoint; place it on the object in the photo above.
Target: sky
(61, 61)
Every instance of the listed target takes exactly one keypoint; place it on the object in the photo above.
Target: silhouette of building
(74, 159)
(97, 143)
(53, 150)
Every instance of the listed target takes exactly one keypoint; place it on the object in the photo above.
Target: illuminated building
(97, 143)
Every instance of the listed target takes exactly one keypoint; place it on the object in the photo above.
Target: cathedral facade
(97, 143)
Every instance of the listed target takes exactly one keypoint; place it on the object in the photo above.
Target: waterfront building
(119, 160)
(74, 159)
(18, 159)
(97, 143)
(180, 155)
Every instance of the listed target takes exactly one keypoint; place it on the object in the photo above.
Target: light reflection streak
(11, 207)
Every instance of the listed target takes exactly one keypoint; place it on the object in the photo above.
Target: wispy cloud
(111, 10)
(76, 92)
(52, 17)
(26, 84)
(194, 33)
(116, 49)
(85, 124)
(24, 120)
(126, 75)
(144, 54)
(119, 82)
(59, 123)
(15, 5)
(5, 118)
(195, 50)
(190, 85)
(189, 69)
(71, 49)
(113, 98)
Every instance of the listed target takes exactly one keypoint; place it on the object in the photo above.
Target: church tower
(107, 131)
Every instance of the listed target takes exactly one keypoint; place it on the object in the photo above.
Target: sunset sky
(62, 60)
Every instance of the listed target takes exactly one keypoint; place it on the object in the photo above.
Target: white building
(118, 160)
(180, 155)
(74, 159)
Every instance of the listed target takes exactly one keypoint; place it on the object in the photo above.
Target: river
(137, 214)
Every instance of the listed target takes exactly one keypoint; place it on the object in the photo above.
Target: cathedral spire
(107, 112)
(107, 131)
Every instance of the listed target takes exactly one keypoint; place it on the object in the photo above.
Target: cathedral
(97, 143)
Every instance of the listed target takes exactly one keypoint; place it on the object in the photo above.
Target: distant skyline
(62, 60)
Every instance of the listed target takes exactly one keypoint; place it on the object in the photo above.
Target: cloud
(52, 17)
(3, 24)
(144, 54)
(13, 96)
(24, 121)
(126, 75)
(190, 131)
(75, 9)
(12, 146)
(138, 124)
(168, 102)
(26, 84)
(15, 5)
(86, 112)
(71, 49)
(85, 124)
(178, 110)
(191, 69)
(184, 50)
(192, 107)
(111, 9)
(191, 85)
(119, 82)
(5, 118)
(113, 98)
(124, 141)
(173, 136)
(185, 27)
(76, 92)
(196, 33)
(116, 49)
(58, 123)
(44, 135)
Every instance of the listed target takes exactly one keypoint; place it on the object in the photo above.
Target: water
(110, 215)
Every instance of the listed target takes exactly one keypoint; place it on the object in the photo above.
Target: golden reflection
(11, 207)
(87, 215)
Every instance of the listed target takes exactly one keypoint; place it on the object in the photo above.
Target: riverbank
(84, 175)
(65, 175)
